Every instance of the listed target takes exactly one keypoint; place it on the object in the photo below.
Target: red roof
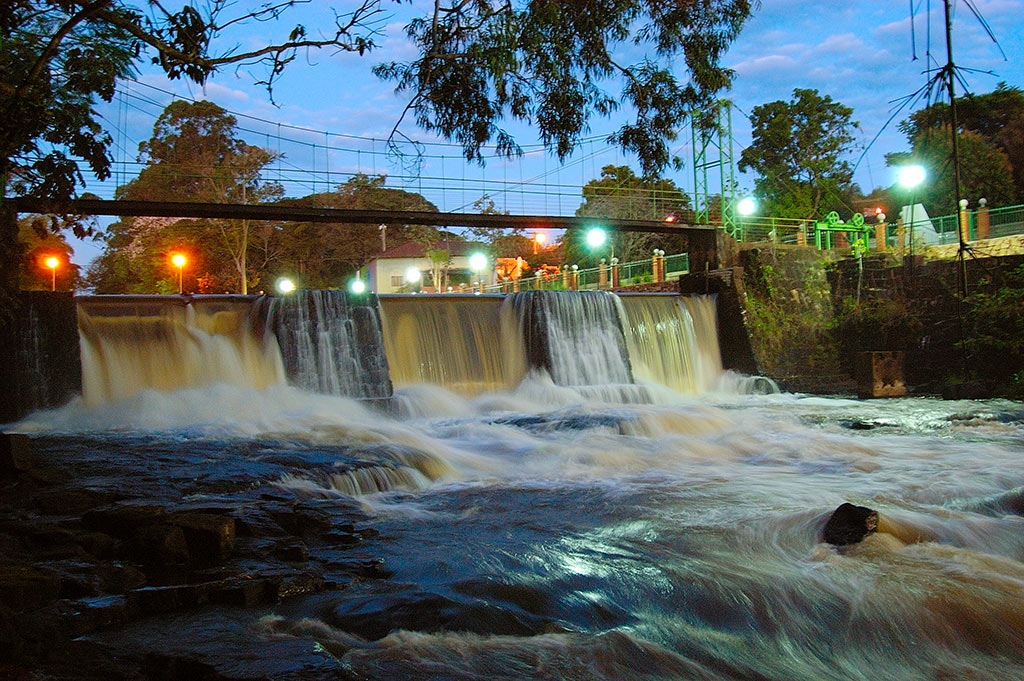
(411, 249)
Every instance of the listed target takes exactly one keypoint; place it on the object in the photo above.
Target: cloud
(772, 63)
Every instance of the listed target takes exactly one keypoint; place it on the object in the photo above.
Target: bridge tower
(711, 132)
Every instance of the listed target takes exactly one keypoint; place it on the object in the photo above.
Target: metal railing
(593, 278)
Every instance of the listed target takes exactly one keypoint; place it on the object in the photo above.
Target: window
(397, 281)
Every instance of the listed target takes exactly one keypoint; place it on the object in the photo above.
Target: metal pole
(53, 279)
(956, 152)
(179, 280)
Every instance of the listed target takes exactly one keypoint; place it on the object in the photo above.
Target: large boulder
(849, 524)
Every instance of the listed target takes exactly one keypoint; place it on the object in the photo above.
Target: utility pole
(954, 124)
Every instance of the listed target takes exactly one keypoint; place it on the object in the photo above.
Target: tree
(797, 152)
(985, 170)
(323, 254)
(39, 244)
(59, 56)
(477, 64)
(997, 120)
(620, 193)
(193, 155)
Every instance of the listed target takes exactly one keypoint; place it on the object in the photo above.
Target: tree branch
(51, 48)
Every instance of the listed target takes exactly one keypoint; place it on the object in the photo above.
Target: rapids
(530, 527)
(536, 533)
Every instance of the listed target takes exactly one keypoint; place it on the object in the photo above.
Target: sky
(859, 53)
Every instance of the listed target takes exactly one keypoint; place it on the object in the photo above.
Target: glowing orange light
(670, 218)
(878, 210)
(540, 237)
(52, 263)
(179, 261)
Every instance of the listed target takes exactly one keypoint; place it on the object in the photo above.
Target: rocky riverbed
(97, 535)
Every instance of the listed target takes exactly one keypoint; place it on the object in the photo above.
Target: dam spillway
(334, 343)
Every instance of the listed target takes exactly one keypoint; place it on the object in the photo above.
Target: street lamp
(910, 177)
(478, 263)
(746, 206)
(596, 237)
(538, 241)
(179, 261)
(52, 263)
(357, 286)
(285, 285)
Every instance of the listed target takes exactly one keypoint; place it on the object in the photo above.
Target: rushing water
(534, 534)
(536, 530)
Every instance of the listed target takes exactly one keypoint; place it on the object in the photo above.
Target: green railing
(1005, 221)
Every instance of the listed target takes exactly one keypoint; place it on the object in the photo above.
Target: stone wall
(913, 306)
(40, 363)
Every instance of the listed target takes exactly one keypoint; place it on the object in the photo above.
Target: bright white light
(357, 286)
(596, 237)
(746, 206)
(412, 275)
(477, 262)
(285, 285)
(911, 176)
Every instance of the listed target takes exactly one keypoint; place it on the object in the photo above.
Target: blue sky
(859, 53)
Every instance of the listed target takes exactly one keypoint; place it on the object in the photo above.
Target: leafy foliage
(995, 117)
(620, 193)
(194, 155)
(985, 170)
(994, 332)
(545, 62)
(798, 152)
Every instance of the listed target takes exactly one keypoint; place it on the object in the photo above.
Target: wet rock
(24, 586)
(124, 521)
(210, 537)
(71, 501)
(302, 520)
(160, 545)
(291, 551)
(242, 592)
(152, 600)
(849, 524)
(97, 544)
(286, 584)
(53, 542)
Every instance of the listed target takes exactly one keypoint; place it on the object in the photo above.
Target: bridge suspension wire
(308, 160)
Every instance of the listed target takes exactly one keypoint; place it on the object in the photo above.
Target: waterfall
(130, 344)
(330, 344)
(672, 340)
(468, 344)
(325, 342)
(577, 336)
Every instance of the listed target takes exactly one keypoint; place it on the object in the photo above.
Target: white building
(389, 272)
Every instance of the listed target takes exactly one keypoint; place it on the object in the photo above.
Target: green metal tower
(715, 134)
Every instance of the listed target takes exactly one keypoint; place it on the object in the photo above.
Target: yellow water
(468, 344)
(131, 347)
(672, 340)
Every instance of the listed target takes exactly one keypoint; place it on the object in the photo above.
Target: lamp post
(52, 263)
(746, 208)
(538, 241)
(478, 263)
(412, 276)
(596, 238)
(285, 285)
(179, 261)
(910, 177)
